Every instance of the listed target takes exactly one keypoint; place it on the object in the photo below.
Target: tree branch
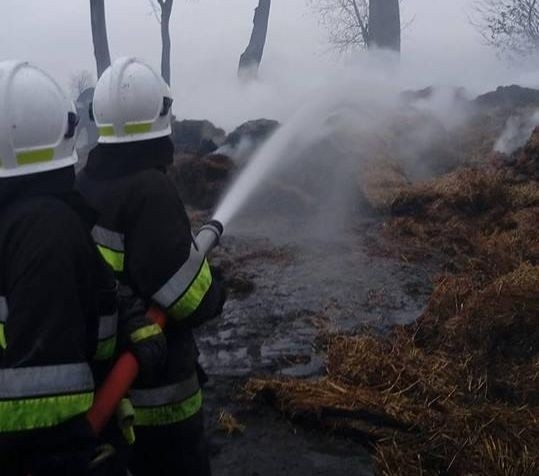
(364, 30)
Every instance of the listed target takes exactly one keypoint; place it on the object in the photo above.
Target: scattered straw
(457, 392)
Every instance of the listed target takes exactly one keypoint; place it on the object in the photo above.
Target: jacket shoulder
(45, 220)
(155, 182)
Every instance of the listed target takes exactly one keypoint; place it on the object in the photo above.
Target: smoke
(314, 165)
(440, 47)
(517, 132)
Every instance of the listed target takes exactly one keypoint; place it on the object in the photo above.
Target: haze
(439, 47)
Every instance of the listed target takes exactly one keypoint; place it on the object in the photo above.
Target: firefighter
(58, 298)
(49, 282)
(145, 236)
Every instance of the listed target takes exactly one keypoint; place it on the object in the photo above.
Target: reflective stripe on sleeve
(184, 292)
(145, 333)
(105, 349)
(169, 414)
(111, 246)
(167, 405)
(108, 326)
(191, 300)
(3, 341)
(180, 282)
(106, 345)
(110, 239)
(115, 259)
(3, 310)
(175, 393)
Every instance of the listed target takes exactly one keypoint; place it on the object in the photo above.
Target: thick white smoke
(517, 132)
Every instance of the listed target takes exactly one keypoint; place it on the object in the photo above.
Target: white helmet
(131, 103)
(37, 122)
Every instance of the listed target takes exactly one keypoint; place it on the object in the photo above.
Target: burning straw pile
(457, 392)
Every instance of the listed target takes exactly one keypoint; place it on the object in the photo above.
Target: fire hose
(122, 376)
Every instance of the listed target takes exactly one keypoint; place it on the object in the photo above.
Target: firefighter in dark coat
(58, 298)
(145, 236)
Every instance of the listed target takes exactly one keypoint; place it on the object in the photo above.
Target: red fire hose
(117, 384)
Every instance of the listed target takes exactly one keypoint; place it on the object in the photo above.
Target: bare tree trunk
(99, 35)
(251, 58)
(166, 12)
(384, 24)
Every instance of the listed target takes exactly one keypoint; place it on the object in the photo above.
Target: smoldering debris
(456, 392)
(344, 154)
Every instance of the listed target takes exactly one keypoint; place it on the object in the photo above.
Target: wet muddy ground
(291, 290)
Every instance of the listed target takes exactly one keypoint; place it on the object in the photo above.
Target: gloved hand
(68, 450)
(140, 336)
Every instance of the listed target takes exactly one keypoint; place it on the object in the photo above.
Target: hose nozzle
(209, 236)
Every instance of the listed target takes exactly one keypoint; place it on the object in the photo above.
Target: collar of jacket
(109, 161)
(58, 184)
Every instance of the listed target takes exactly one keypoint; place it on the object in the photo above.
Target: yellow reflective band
(3, 343)
(34, 413)
(169, 414)
(35, 156)
(145, 333)
(115, 259)
(189, 302)
(106, 131)
(126, 419)
(140, 128)
(105, 349)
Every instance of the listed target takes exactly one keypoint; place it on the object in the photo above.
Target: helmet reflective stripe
(4, 312)
(131, 103)
(37, 122)
(39, 397)
(35, 156)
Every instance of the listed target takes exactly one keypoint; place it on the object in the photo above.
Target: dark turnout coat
(143, 232)
(57, 299)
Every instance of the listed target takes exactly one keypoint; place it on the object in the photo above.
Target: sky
(440, 47)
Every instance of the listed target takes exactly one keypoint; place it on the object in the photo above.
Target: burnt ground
(290, 291)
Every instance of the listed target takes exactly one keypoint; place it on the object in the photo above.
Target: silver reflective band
(110, 239)
(176, 286)
(49, 380)
(156, 397)
(4, 312)
(108, 326)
